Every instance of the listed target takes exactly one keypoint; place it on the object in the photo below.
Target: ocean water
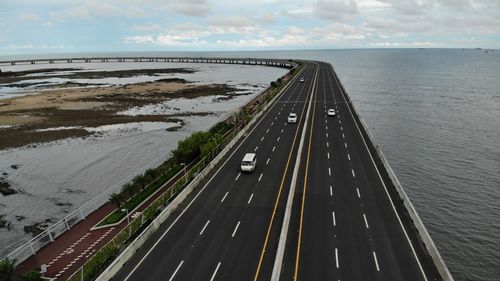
(436, 115)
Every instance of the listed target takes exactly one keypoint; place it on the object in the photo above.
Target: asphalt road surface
(343, 225)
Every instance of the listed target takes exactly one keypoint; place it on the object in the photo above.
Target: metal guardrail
(51, 233)
(31, 247)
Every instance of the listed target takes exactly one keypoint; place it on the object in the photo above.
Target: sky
(57, 26)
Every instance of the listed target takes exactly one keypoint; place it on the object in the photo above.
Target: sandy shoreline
(24, 120)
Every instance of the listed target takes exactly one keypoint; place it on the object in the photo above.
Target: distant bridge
(247, 61)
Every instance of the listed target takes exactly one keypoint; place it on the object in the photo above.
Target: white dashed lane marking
(366, 222)
(235, 229)
(215, 272)
(376, 261)
(203, 229)
(223, 198)
(337, 257)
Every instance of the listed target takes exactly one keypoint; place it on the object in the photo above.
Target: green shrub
(32, 276)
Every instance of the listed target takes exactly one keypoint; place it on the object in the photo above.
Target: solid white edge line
(215, 272)
(383, 184)
(206, 224)
(236, 228)
(175, 272)
(376, 261)
(215, 174)
(366, 222)
(223, 198)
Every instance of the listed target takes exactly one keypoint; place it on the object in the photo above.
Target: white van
(249, 162)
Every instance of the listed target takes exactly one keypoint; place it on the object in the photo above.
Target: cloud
(93, 9)
(29, 17)
(402, 44)
(193, 8)
(35, 46)
(146, 27)
(335, 9)
(173, 40)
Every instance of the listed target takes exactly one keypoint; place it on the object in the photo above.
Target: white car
(249, 162)
(331, 112)
(302, 79)
(292, 118)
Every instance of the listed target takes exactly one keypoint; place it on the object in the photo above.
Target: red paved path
(68, 252)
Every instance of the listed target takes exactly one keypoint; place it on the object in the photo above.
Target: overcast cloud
(29, 26)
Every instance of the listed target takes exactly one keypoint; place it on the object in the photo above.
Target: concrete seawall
(423, 243)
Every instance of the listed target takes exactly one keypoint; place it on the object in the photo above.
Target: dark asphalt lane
(222, 233)
(343, 224)
(349, 228)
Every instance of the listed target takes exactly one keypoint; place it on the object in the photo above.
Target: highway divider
(142, 227)
(418, 232)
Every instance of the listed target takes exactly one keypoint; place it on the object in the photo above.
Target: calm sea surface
(436, 115)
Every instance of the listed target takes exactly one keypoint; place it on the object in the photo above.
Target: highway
(343, 225)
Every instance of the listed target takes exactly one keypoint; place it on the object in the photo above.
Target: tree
(149, 175)
(138, 181)
(115, 198)
(130, 189)
(8, 270)
(32, 276)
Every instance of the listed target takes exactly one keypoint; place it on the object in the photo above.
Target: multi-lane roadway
(341, 223)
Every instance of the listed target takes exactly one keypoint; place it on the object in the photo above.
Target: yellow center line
(296, 275)
(257, 272)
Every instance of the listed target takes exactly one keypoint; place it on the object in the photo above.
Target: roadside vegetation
(9, 272)
(195, 147)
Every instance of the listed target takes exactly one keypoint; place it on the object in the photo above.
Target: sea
(435, 113)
